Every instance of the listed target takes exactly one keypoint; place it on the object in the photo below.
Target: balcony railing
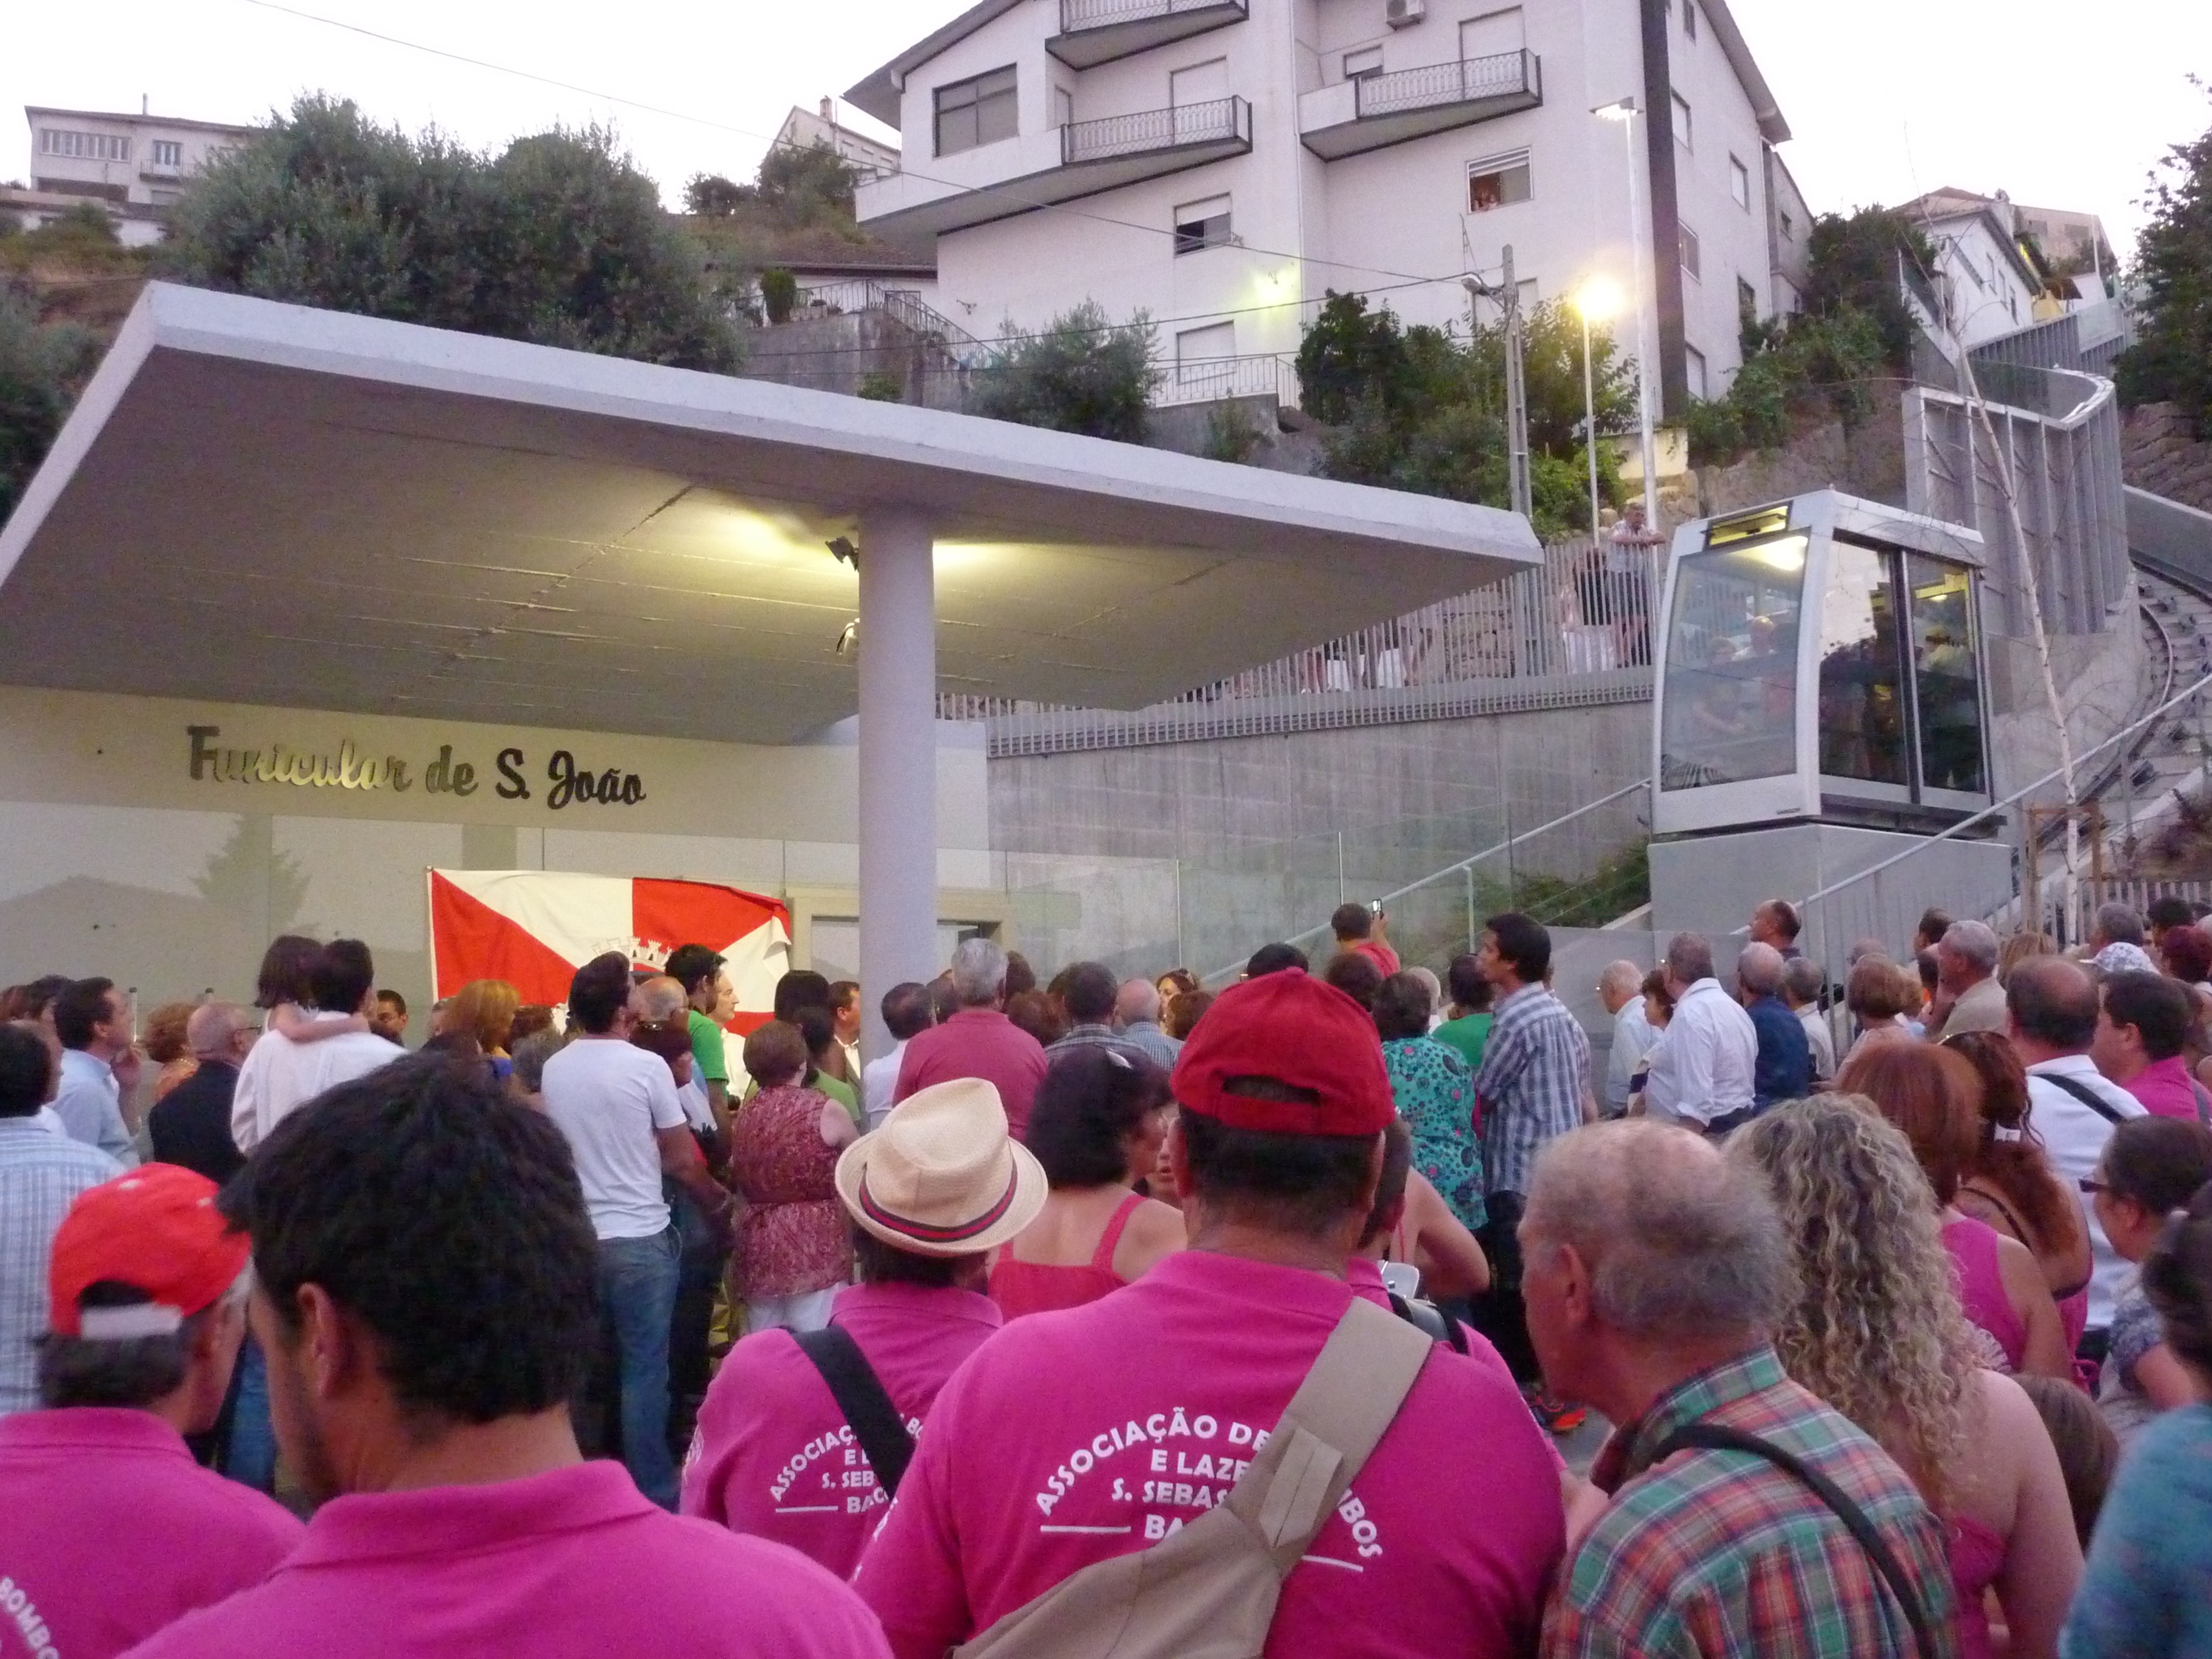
(1467, 81)
(1077, 15)
(1095, 32)
(1220, 120)
(1203, 380)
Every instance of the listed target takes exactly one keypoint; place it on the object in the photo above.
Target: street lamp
(1625, 111)
(1596, 301)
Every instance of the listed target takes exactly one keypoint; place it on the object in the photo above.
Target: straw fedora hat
(941, 1176)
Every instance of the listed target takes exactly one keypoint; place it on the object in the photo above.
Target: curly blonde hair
(1877, 1331)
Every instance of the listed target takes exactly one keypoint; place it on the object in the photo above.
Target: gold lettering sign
(346, 769)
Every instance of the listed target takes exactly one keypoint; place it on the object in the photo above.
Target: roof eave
(1764, 108)
(878, 92)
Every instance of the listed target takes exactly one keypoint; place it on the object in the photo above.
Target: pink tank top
(1030, 1287)
(1977, 1557)
(1973, 1248)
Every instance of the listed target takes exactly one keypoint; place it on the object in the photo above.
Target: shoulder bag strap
(1333, 1422)
(1715, 1436)
(860, 1394)
(2088, 1097)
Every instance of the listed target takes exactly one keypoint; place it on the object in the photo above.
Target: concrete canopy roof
(262, 503)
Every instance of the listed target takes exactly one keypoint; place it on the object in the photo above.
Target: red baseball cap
(1291, 1029)
(156, 1229)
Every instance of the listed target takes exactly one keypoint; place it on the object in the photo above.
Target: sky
(1886, 98)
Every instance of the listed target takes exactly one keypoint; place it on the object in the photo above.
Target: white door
(1492, 33)
(1197, 96)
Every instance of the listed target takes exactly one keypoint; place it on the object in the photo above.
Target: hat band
(923, 1233)
(129, 1322)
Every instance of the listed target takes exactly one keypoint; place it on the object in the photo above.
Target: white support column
(898, 761)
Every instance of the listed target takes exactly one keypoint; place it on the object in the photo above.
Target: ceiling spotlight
(848, 636)
(842, 550)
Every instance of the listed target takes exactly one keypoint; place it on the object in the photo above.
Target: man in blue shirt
(1784, 1070)
(94, 1023)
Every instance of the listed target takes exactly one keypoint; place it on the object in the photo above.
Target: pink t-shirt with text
(109, 1531)
(774, 1457)
(570, 1565)
(1076, 1435)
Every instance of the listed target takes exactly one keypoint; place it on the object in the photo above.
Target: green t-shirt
(1469, 1036)
(840, 1091)
(708, 1058)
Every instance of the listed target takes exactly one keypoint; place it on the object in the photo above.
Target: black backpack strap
(2088, 1097)
(860, 1394)
(1715, 1436)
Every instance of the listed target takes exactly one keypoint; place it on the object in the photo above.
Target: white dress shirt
(878, 1083)
(1701, 1069)
(1632, 1038)
(2074, 1137)
(279, 1075)
(1821, 1040)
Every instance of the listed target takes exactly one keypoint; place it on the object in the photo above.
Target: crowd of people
(1113, 1314)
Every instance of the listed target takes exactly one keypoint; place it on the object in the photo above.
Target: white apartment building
(803, 129)
(135, 164)
(1221, 164)
(1983, 280)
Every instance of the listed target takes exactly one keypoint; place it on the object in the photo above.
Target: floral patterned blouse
(791, 1236)
(1435, 1092)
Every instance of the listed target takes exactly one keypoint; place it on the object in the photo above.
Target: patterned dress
(1435, 1092)
(791, 1238)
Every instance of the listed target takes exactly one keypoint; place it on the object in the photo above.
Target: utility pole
(1507, 293)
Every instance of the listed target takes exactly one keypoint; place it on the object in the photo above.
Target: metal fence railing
(1464, 81)
(1078, 15)
(903, 305)
(1197, 380)
(1576, 630)
(1217, 120)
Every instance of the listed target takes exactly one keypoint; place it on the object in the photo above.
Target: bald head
(1759, 971)
(658, 1000)
(1137, 999)
(2053, 1006)
(1682, 1247)
(214, 1029)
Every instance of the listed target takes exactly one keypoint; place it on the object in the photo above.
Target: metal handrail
(903, 305)
(1465, 863)
(1213, 121)
(1462, 80)
(1078, 15)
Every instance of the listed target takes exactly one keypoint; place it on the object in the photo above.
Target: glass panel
(1944, 652)
(1731, 703)
(1861, 691)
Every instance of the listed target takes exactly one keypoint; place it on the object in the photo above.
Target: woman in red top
(793, 1247)
(1096, 1126)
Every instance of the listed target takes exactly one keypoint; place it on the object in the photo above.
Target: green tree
(1851, 264)
(712, 197)
(42, 368)
(559, 240)
(2171, 358)
(1081, 374)
(808, 184)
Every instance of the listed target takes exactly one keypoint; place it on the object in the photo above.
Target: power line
(1406, 279)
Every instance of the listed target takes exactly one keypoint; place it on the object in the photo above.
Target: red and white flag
(534, 929)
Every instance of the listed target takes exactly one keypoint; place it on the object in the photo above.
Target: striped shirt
(39, 1173)
(1536, 1073)
(1721, 1555)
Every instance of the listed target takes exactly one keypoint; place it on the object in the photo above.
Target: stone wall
(1866, 460)
(2160, 453)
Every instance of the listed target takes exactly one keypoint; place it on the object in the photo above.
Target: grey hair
(1623, 976)
(1690, 958)
(2117, 924)
(660, 998)
(1428, 977)
(1682, 1245)
(1803, 978)
(1137, 999)
(530, 1056)
(1863, 949)
(1976, 942)
(1759, 970)
(979, 972)
(212, 1025)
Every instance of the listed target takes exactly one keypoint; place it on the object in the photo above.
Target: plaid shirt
(1535, 1071)
(1718, 1556)
(40, 1171)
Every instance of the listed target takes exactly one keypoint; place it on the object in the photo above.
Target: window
(1492, 34)
(1746, 300)
(1944, 654)
(1788, 229)
(1730, 697)
(1692, 255)
(1694, 361)
(1498, 182)
(168, 152)
(1689, 18)
(1740, 183)
(1201, 225)
(1205, 357)
(1682, 122)
(978, 112)
(83, 146)
(1368, 60)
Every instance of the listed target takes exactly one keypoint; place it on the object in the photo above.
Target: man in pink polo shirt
(2142, 1033)
(978, 1039)
(938, 1186)
(425, 1288)
(1074, 1437)
(148, 1312)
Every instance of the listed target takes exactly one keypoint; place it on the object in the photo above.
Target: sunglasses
(2091, 1185)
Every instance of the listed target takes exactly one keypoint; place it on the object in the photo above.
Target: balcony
(1058, 164)
(1094, 32)
(1372, 110)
